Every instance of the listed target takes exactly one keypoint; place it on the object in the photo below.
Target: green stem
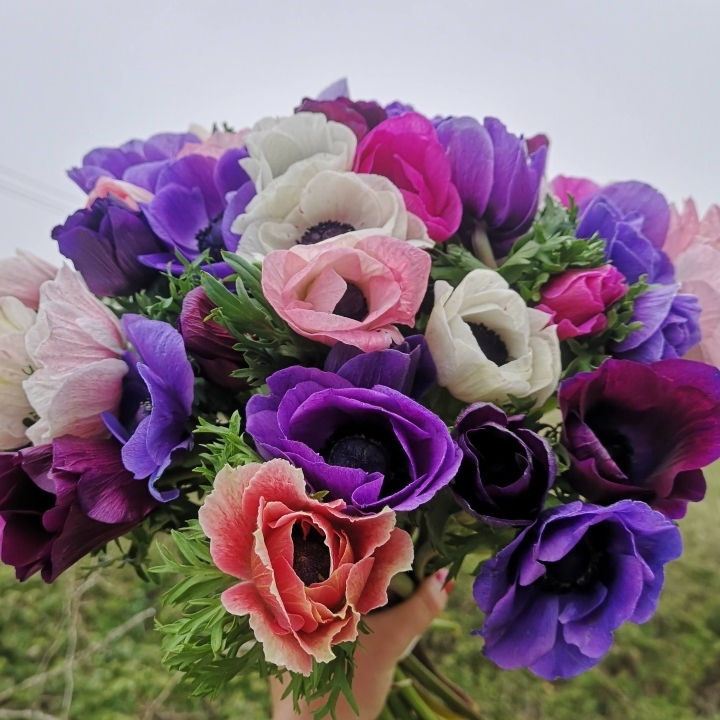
(396, 706)
(413, 698)
(415, 669)
(385, 714)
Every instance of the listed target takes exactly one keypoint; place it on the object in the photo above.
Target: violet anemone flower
(196, 199)
(210, 344)
(136, 161)
(62, 500)
(498, 176)
(104, 243)
(369, 446)
(506, 469)
(556, 594)
(642, 431)
(407, 367)
(670, 326)
(156, 403)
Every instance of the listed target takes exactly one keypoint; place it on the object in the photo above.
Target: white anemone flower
(275, 145)
(487, 344)
(331, 203)
(15, 367)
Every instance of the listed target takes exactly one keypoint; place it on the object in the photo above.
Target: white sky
(624, 88)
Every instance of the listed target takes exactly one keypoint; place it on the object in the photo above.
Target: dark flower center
(371, 449)
(210, 238)
(498, 454)
(352, 304)
(325, 231)
(618, 445)
(582, 567)
(490, 343)
(311, 556)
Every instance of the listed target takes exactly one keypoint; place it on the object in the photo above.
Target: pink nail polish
(441, 576)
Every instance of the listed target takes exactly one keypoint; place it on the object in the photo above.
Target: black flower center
(490, 343)
(352, 304)
(325, 231)
(210, 238)
(311, 556)
(371, 449)
(618, 445)
(497, 454)
(582, 567)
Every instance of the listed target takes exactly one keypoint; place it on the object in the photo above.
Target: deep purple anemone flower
(60, 501)
(156, 403)
(556, 594)
(210, 344)
(670, 326)
(196, 199)
(407, 368)
(370, 446)
(642, 431)
(506, 470)
(104, 243)
(498, 176)
(137, 161)
(360, 116)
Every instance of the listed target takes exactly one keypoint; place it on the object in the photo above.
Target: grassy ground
(668, 669)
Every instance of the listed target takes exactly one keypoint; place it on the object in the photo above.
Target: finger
(399, 626)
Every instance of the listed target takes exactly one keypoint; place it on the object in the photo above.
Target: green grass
(668, 669)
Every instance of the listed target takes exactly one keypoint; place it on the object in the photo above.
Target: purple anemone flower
(556, 594)
(642, 431)
(196, 199)
(360, 116)
(407, 368)
(633, 219)
(157, 401)
(210, 344)
(670, 326)
(104, 243)
(60, 501)
(370, 446)
(137, 161)
(506, 469)
(498, 176)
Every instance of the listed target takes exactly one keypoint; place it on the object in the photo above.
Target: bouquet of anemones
(340, 351)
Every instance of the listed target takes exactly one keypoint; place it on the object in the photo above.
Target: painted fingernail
(441, 576)
(448, 588)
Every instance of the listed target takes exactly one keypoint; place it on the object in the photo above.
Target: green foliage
(229, 449)
(452, 262)
(549, 249)
(263, 337)
(588, 353)
(211, 647)
(163, 300)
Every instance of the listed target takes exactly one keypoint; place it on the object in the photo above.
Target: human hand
(392, 632)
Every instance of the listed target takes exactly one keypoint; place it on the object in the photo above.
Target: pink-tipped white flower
(15, 367)
(76, 348)
(21, 277)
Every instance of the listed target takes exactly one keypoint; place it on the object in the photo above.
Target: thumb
(401, 624)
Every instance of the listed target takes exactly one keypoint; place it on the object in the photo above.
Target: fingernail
(448, 588)
(441, 576)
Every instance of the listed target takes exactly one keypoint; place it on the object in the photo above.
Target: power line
(35, 183)
(19, 193)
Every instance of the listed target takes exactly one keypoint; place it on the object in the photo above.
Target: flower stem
(413, 698)
(433, 684)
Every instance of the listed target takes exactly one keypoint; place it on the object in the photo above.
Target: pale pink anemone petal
(215, 145)
(693, 244)
(580, 189)
(305, 283)
(130, 194)
(75, 347)
(250, 517)
(22, 276)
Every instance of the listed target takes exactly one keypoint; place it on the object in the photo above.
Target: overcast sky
(626, 89)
